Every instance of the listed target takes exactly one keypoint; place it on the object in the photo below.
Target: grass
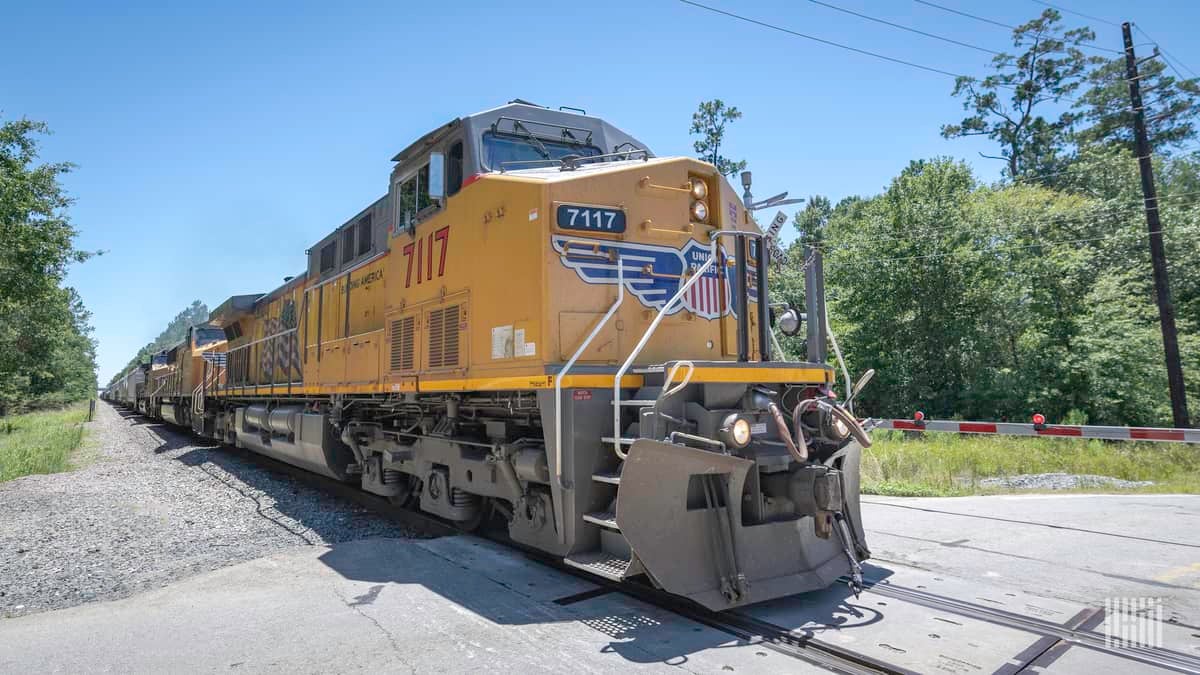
(40, 442)
(946, 465)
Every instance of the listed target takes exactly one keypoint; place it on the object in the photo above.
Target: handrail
(669, 391)
(198, 394)
(558, 404)
(637, 350)
(160, 387)
(262, 339)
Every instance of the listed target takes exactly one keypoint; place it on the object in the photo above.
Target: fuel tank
(288, 434)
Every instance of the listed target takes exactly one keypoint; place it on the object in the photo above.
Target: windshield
(500, 148)
(207, 336)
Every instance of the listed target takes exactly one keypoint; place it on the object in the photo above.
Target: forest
(47, 353)
(993, 301)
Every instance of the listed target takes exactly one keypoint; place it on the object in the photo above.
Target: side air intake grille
(443, 337)
(403, 341)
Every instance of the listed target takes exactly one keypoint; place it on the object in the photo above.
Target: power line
(856, 50)
(906, 28)
(1071, 11)
(1167, 58)
(969, 16)
(823, 41)
(1001, 24)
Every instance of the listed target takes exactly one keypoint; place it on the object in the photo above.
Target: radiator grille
(443, 337)
(403, 342)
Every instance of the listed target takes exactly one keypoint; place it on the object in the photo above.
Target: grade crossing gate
(1038, 427)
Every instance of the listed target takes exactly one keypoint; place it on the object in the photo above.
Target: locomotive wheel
(410, 490)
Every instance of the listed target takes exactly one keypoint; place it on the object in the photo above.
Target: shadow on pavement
(510, 592)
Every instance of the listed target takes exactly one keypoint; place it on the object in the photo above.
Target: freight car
(126, 389)
(544, 327)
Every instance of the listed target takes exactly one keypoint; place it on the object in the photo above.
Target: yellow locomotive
(544, 327)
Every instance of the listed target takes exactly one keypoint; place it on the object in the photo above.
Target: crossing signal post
(1158, 253)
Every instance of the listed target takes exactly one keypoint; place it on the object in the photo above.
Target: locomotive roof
(228, 311)
(524, 111)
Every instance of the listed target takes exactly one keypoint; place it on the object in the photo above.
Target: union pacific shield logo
(653, 274)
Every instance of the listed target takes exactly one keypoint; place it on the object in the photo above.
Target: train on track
(546, 328)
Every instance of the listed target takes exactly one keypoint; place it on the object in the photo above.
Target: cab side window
(454, 169)
(412, 198)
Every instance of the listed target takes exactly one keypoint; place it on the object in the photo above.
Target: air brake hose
(852, 424)
(800, 454)
(801, 408)
(856, 429)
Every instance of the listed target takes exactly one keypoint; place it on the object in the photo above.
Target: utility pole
(1158, 254)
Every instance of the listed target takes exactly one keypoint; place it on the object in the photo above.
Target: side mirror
(789, 322)
(862, 382)
(858, 386)
(437, 175)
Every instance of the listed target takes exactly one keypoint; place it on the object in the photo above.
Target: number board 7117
(590, 218)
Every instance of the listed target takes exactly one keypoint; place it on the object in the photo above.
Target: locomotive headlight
(735, 431)
(699, 189)
(699, 212)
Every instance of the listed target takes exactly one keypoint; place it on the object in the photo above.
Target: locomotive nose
(727, 531)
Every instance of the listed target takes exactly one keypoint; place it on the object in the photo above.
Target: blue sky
(215, 141)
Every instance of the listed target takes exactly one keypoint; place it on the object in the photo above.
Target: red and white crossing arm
(1038, 427)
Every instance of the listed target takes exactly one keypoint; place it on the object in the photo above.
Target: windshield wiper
(528, 136)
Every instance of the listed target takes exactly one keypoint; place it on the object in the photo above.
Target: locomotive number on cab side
(420, 254)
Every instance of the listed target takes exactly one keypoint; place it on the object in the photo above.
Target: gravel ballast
(1062, 481)
(153, 505)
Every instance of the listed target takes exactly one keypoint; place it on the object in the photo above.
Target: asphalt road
(1083, 548)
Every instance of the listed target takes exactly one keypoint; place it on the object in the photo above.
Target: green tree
(810, 221)
(709, 122)
(1171, 106)
(176, 330)
(993, 303)
(1010, 105)
(46, 352)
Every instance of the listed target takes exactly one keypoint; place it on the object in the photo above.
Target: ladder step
(610, 477)
(603, 519)
(624, 441)
(648, 370)
(639, 402)
(600, 563)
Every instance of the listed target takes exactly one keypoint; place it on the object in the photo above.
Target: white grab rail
(558, 403)
(646, 338)
(213, 377)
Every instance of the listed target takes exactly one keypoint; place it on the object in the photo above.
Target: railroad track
(1078, 631)
(749, 629)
